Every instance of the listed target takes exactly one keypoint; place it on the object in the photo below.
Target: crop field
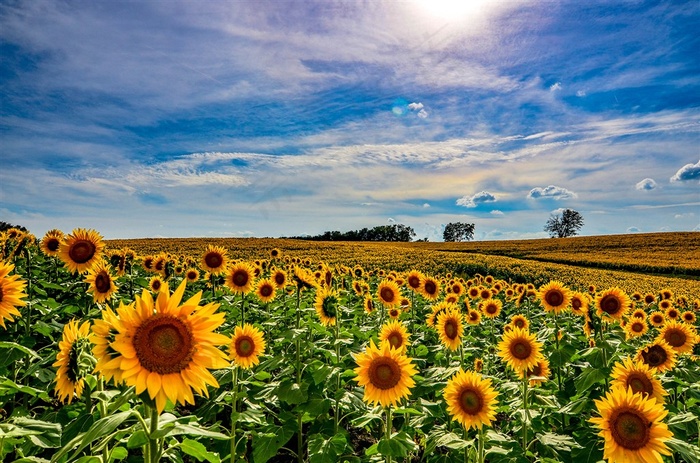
(276, 350)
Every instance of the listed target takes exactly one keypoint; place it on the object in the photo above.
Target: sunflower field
(285, 351)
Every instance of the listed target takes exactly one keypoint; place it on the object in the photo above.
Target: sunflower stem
(387, 429)
(526, 414)
(102, 407)
(556, 339)
(336, 417)
(153, 444)
(482, 434)
(234, 414)
(242, 309)
(29, 291)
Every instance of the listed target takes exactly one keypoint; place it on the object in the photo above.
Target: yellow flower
(51, 242)
(429, 288)
(214, 260)
(239, 278)
(395, 333)
(101, 282)
(388, 293)
(73, 361)
(327, 305)
(491, 308)
(555, 297)
(164, 347)
(632, 428)
(657, 355)
(613, 303)
(265, 290)
(639, 377)
(520, 321)
(537, 374)
(11, 293)
(385, 373)
(81, 250)
(246, 346)
(471, 399)
(450, 328)
(635, 327)
(680, 336)
(520, 349)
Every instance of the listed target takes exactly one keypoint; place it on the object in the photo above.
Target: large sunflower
(385, 373)
(491, 308)
(165, 347)
(555, 297)
(214, 260)
(101, 282)
(73, 360)
(11, 293)
(680, 336)
(520, 349)
(613, 303)
(632, 428)
(266, 290)
(280, 278)
(239, 278)
(327, 305)
(81, 250)
(51, 242)
(520, 321)
(395, 333)
(638, 376)
(657, 355)
(450, 328)
(429, 288)
(471, 399)
(246, 346)
(388, 293)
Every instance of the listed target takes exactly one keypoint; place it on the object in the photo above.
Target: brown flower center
(451, 329)
(279, 278)
(52, 244)
(637, 327)
(192, 275)
(266, 290)
(103, 283)
(155, 285)
(470, 401)
(657, 319)
(630, 429)
(245, 346)
(430, 287)
(639, 382)
(610, 304)
(240, 278)
(519, 323)
(675, 337)
(521, 350)
(384, 373)
(655, 356)
(396, 340)
(164, 344)
(82, 251)
(413, 281)
(554, 298)
(213, 260)
(387, 294)
(491, 309)
(576, 303)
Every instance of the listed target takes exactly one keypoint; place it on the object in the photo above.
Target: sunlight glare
(451, 10)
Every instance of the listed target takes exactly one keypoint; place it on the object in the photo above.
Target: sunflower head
(649, 298)
(688, 317)
(51, 242)
(81, 250)
(74, 360)
(450, 328)
(246, 346)
(520, 349)
(579, 303)
(612, 303)
(214, 259)
(191, 275)
(239, 278)
(385, 373)
(657, 319)
(520, 321)
(101, 282)
(638, 376)
(636, 327)
(491, 308)
(395, 333)
(680, 336)
(265, 289)
(473, 317)
(631, 425)
(471, 399)
(327, 304)
(658, 355)
(555, 297)
(275, 253)
(429, 288)
(11, 293)
(388, 293)
(368, 304)
(304, 278)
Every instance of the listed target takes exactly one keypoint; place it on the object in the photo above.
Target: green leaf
(100, 428)
(326, 450)
(137, 439)
(398, 445)
(14, 345)
(293, 393)
(41, 433)
(560, 357)
(190, 429)
(452, 441)
(557, 441)
(588, 378)
(199, 451)
(689, 452)
(266, 445)
(118, 453)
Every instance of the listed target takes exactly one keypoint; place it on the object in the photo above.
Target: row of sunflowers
(113, 355)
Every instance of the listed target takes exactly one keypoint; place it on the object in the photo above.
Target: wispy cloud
(551, 191)
(646, 184)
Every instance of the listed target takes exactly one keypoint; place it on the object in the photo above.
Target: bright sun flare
(451, 10)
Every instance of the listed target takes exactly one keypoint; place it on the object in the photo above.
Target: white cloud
(422, 114)
(687, 172)
(551, 191)
(646, 184)
(415, 106)
(474, 200)
(554, 87)
(426, 205)
(633, 230)
(496, 212)
(391, 220)
(581, 93)
(684, 215)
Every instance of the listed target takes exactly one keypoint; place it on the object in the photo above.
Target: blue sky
(279, 118)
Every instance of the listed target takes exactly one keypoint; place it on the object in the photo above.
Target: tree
(565, 224)
(458, 231)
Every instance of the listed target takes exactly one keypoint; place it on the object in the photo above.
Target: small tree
(458, 231)
(565, 224)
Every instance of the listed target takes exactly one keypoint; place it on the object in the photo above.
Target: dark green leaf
(199, 451)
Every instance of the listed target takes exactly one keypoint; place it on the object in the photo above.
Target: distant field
(637, 263)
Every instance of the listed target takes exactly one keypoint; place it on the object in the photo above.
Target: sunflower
(104, 333)
(191, 275)
(11, 293)
(429, 288)
(456, 288)
(101, 282)
(368, 304)
(666, 294)
(388, 293)
(471, 399)
(520, 349)
(246, 346)
(613, 303)
(632, 428)
(639, 313)
(405, 304)
(478, 364)
(164, 347)
(491, 308)
(450, 328)
(385, 373)
(156, 284)
(649, 298)
(657, 355)
(657, 319)
(635, 327)
(639, 377)
(520, 321)
(280, 278)
(395, 333)
(394, 312)
(214, 260)
(537, 374)
(672, 313)
(327, 305)
(579, 303)
(473, 317)
(358, 271)
(304, 278)
(51, 242)
(265, 289)
(473, 292)
(680, 336)
(555, 297)
(438, 309)
(275, 253)
(239, 278)
(688, 317)
(485, 293)
(81, 250)
(73, 360)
